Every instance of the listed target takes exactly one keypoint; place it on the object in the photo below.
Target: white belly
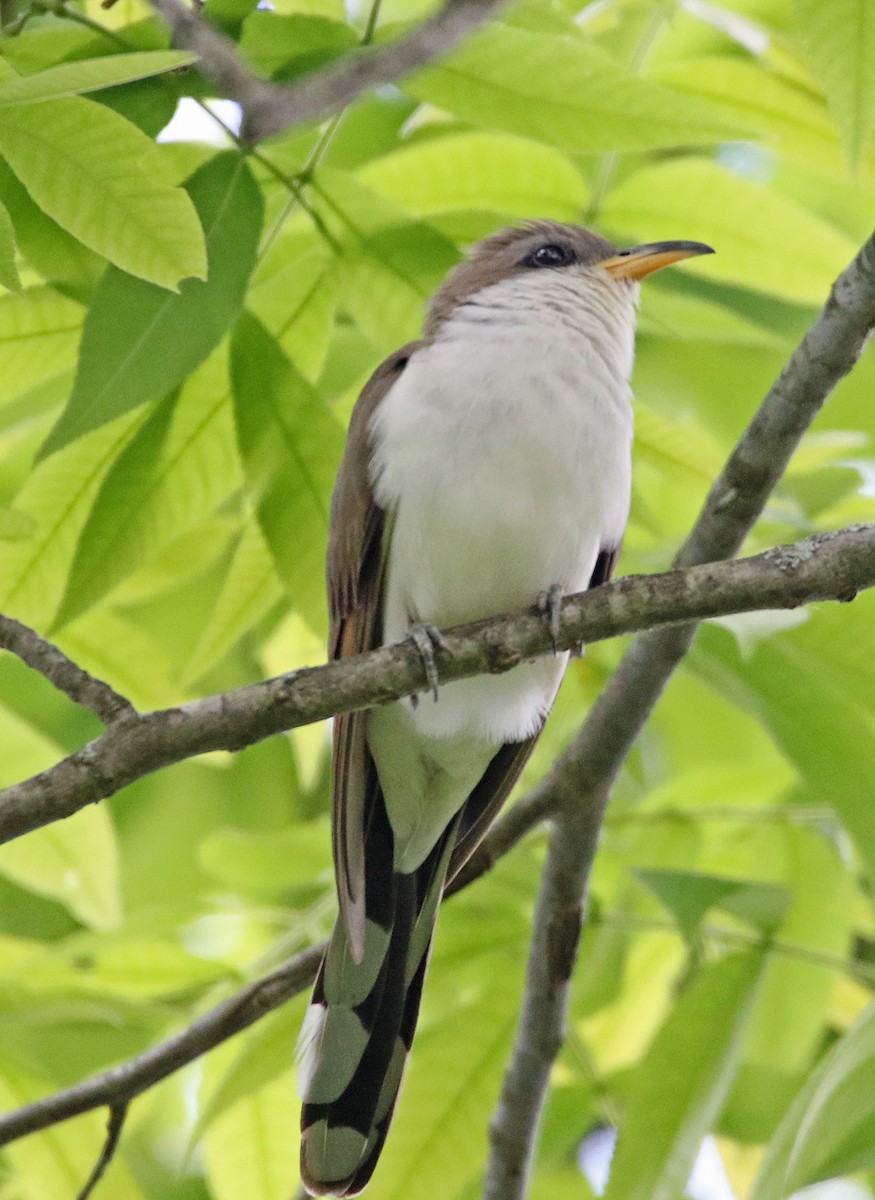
(505, 461)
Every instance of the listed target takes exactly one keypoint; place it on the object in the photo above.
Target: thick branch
(270, 108)
(829, 566)
(580, 781)
(51, 662)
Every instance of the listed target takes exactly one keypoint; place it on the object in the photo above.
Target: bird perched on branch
(487, 467)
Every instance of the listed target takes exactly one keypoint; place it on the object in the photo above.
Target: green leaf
(125, 966)
(385, 282)
(116, 647)
(97, 564)
(673, 314)
(8, 270)
(561, 1183)
(268, 861)
(98, 177)
(793, 1010)
(57, 256)
(75, 861)
(140, 341)
(291, 444)
(15, 525)
(438, 1139)
(39, 333)
(293, 295)
(489, 171)
(811, 697)
(45, 44)
(784, 113)
(674, 448)
(250, 589)
(679, 1089)
(174, 473)
(252, 1149)
(828, 1129)
(262, 1056)
(562, 90)
(689, 894)
(387, 265)
(90, 74)
(763, 240)
(290, 44)
(839, 36)
(57, 495)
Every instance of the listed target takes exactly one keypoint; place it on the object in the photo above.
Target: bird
(487, 468)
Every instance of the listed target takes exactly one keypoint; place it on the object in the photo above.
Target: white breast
(503, 453)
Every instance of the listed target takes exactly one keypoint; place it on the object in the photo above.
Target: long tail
(359, 1026)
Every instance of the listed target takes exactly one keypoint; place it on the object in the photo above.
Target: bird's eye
(551, 255)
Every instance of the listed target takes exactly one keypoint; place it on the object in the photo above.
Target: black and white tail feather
(359, 1027)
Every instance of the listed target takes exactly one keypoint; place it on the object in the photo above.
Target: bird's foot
(426, 637)
(549, 605)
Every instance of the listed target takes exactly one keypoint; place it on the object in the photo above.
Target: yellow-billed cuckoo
(487, 465)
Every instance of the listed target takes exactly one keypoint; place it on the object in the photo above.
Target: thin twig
(60, 670)
(826, 566)
(580, 782)
(114, 1126)
(119, 1085)
(270, 108)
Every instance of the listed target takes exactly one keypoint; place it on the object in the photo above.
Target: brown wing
(354, 576)
(484, 803)
(496, 784)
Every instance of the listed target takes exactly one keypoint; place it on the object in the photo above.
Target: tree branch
(828, 566)
(839, 562)
(116, 1087)
(269, 108)
(114, 1125)
(580, 781)
(67, 677)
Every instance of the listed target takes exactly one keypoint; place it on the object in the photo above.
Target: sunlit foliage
(182, 335)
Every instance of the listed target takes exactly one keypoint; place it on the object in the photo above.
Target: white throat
(586, 307)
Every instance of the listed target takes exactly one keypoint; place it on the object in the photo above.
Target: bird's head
(552, 265)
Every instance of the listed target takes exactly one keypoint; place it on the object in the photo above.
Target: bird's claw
(550, 607)
(425, 638)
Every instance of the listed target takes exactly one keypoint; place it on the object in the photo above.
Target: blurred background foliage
(167, 451)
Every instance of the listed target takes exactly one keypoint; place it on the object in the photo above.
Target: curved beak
(641, 261)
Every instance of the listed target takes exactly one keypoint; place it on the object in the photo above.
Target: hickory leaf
(8, 270)
(827, 1130)
(839, 36)
(94, 173)
(680, 1086)
(493, 171)
(139, 340)
(180, 465)
(89, 75)
(290, 444)
(563, 90)
(763, 240)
